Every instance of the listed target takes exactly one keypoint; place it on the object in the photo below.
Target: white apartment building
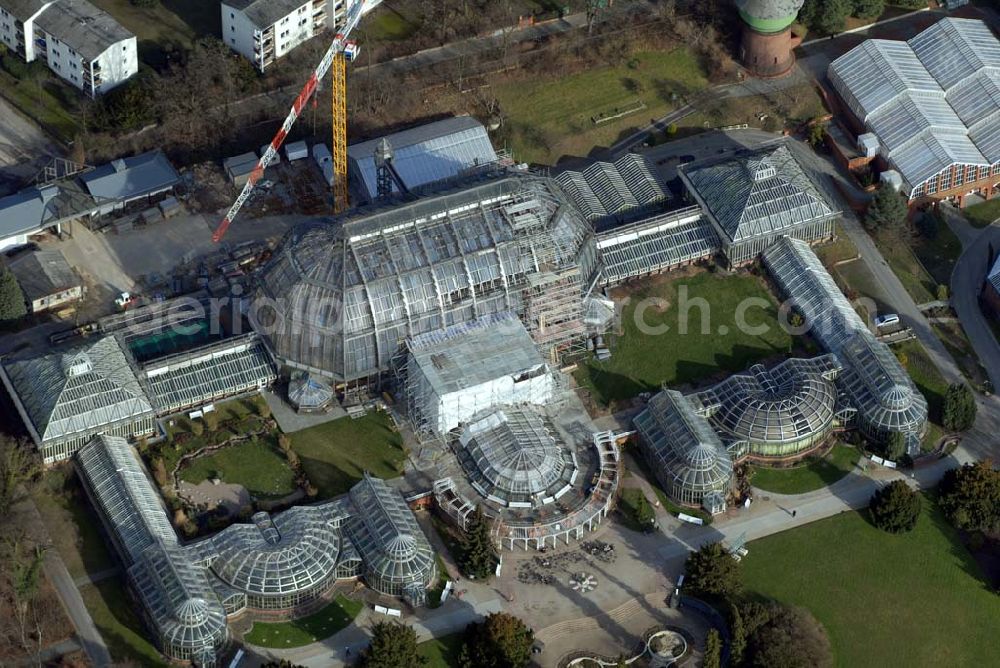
(84, 45)
(262, 31)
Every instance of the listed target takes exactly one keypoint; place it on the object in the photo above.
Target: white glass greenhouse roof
(932, 101)
(428, 153)
(605, 189)
(292, 551)
(347, 294)
(79, 390)
(511, 454)
(756, 194)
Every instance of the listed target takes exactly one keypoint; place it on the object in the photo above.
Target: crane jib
(336, 47)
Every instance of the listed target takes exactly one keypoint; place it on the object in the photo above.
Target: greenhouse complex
(277, 566)
(788, 410)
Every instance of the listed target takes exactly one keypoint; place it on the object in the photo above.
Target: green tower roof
(769, 15)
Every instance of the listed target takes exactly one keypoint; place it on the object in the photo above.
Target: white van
(886, 320)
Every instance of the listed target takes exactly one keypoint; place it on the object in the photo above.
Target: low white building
(262, 31)
(84, 45)
(455, 373)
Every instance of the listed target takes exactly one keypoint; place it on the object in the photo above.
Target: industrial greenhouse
(398, 560)
(177, 598)
(686, 455)
(758, 197)
(933, 102)
(874, 383)
(779, 412)
(609, 193)
(339, 298)
(64, 399)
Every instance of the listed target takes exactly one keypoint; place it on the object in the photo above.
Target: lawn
(387, 24)
(792, 106)
(629, 503)
(166, 25)
(813, 474)
(336, 454)
(72, 523)
(242, 413)
(984, 213)
(41, 104)
(840, 249)
(442, 652)
(686, 353)
(114, 615)
(938, 254)
(296, 633)
(914, 277)
(925, 375)
(552, 116)
(914, 599)
(258, 465)
(953, 336)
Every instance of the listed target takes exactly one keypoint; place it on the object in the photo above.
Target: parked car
(886, 320)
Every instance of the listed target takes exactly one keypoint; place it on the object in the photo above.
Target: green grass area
(629, 503)
(241, 413)
(813, 474)
(838, 250)
(938, 254)
(857, 277)
(167, 25)
(387, 24)
(258, 465)
(336, 454)
(72, 523)
(552, 116)
(925, 375)
(114, 615)
(914, 277)
(686, 353)
(953, 336)
(41, 104)
(984, 213)
(442, 652)
(298, 632)
(912, 599)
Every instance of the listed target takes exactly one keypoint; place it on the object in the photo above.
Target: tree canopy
(499, 641)
(478, 553)
(826, 17)
(895, 508)
(12, 306)
(959, 413)
(789, 638)
(868, 9)
(712, 657)
(18, 465)
(970, 496)
(393, 645)
(887, 211)
(713, 571)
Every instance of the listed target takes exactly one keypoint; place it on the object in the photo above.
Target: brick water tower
(766, 48)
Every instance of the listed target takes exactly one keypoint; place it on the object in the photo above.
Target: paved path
(55, 570)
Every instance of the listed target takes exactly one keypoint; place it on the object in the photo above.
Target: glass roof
(786, 403)
(681, 445)
(79, 390)
(341, 298)
(394, 550)
(929, 100)
(511, 454)
(604, 189)
(292, 551)
(308, 391)
(757, 194)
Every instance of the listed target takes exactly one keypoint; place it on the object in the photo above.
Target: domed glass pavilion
(778, 412)
(511, 457)
(686, 455)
